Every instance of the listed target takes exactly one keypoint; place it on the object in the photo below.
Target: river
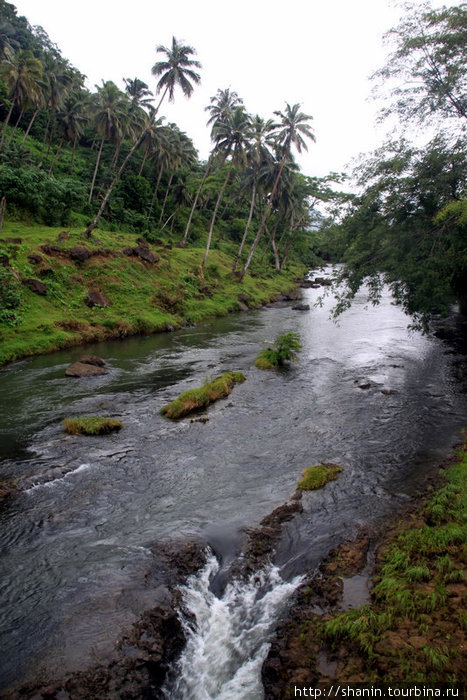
(383, 402)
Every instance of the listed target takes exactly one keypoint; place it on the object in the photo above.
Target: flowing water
(78, 541)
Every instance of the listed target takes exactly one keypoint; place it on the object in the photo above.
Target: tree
(22, 73)
(428, 64)
(176, 70)
(408, 229)
(110, 110)
(222, 104)
(293, 130)
(258, 156)
(231, 137)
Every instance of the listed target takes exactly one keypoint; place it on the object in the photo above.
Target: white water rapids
(227, 638)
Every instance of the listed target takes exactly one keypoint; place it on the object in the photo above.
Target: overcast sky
(319, 53)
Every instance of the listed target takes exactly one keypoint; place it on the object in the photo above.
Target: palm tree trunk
(15, 126)
(263, 220)
(31, 122)
(156, 187)
(55, 157)
(95, 170)
(195, 202)
(165, 198)
(144, 161)
(46, 133)
(122, 167)
(211, 228)
(247, 227)
(6, 122)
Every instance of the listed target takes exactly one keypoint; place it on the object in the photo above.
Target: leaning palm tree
(223, 103)
(176, 70)
(258, 156)
(23, 74)
(110, 110)
(231, 137)
(293, 129)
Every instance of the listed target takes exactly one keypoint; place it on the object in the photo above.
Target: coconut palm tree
(110, 109)
(293, 129)
(22, 73)
(72, 119)
(176, 70)
(222, 104)
(258, 156)
(231, 137)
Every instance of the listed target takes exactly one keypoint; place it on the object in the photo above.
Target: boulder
(144, 253)
(80, 254)
(301, 307)
(35, 258)
(51, 249)
(4, 260)
(323, 281)
(92, 360)
(95, 298)
(36, 286)
(82, 369)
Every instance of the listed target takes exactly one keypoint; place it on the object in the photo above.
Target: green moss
(318, 476)
(196, 399)
(93, 425)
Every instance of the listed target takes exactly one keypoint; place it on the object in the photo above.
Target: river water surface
(77, 541)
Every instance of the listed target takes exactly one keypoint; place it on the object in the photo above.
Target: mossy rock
(197, 399)
(264, 363)
(93, 425)
(318, 476)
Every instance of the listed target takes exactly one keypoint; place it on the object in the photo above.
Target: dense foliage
(69, 156)
(408, 224)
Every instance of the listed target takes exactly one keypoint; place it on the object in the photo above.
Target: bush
(284, 349)
(10, 296)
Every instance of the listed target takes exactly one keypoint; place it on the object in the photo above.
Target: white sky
(319, 53)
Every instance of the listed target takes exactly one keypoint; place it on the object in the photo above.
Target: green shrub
(93, 425)
(10, 296)
(284, 349)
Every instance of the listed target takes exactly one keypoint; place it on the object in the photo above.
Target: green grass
(318, 476)
(196, 399)
(419, 563)
(92, 425)
(145, 298)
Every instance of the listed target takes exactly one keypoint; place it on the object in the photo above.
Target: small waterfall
(227, 638)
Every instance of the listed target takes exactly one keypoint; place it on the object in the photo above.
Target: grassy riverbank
(47, 276)
(413, 628)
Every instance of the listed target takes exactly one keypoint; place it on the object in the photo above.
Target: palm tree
(73, 118)
(22, 73)
(293, 129)
(110, 109)
(258, 156)
(231, 137)
(222, 104)
(177, 69)
(183, 155)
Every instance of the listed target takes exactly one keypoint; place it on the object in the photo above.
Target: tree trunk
(211, 228)
(95, 170)
(165, 198)
(144, 161)
(55, 157)
(122, 167)
(6, 122)
(247, 227)
(263, 220)
(195, 202)
(31, 122)
(156, 187)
